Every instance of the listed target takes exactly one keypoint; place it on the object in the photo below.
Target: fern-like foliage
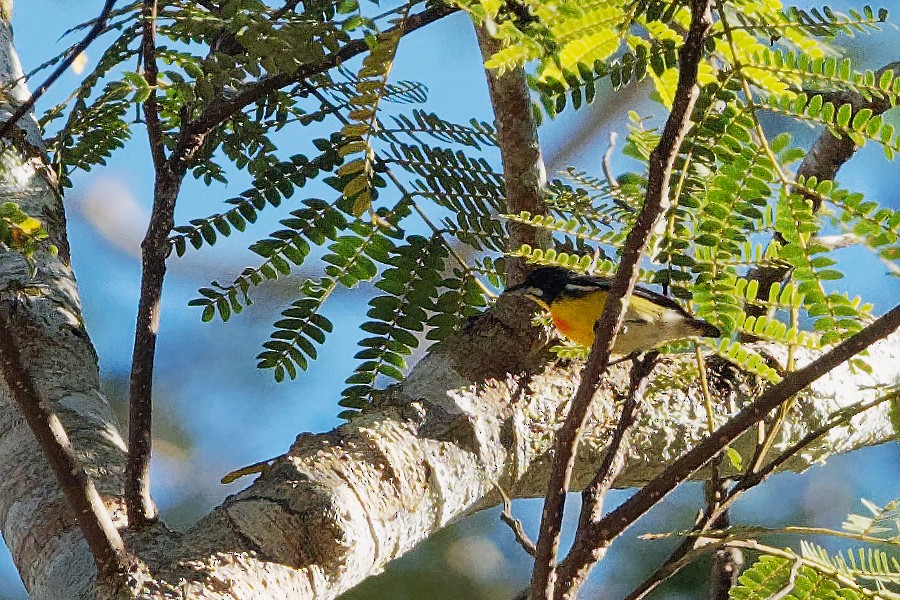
(419, 204)
(868, 571)
(397, 317)
(772, 575)
(371, 81)
(352, 258)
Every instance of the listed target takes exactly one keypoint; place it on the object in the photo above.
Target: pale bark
(45, 541)
(476, 413)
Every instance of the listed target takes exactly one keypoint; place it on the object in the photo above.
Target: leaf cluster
(417, 202)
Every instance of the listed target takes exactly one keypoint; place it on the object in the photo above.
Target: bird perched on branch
(576, 301)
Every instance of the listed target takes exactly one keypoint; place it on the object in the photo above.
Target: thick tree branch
(39, 524)
(524, 175)
(662, 159)
(101, 534)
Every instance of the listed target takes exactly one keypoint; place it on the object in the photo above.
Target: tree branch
(628, 512)
(675, 561)
(169, 175)
(524, 174)
(662, 158)
(96, 30)
(827, 155)
(101, 534)
(585, 551)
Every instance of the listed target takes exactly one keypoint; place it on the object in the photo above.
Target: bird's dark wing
(584, 284)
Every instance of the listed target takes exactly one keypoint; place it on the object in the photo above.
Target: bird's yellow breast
(575, 317)
(646, 324)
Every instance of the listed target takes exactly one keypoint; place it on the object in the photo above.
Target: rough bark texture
(45, 541)
(478, 412)
(524, 174)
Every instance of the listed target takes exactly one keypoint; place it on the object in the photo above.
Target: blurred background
(217, 412)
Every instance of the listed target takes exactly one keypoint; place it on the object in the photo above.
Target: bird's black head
(545, 283)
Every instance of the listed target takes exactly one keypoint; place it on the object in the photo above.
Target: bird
(575, 303)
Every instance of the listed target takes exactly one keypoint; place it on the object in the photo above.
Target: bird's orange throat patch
(563, 326)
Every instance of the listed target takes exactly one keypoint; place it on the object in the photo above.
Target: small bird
(575, 303)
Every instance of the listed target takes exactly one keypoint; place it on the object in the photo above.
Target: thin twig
(585, 553)
(791, 582)
(662, 160)
(745, 532)
(99, 531)
(606, 162)
(154, 248)
(96, 30)
(515, 524)
(524, 175)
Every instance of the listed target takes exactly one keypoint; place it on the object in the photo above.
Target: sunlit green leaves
(771, 575)
(358, 172)
(20, 232)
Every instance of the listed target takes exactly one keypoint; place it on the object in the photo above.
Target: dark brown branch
(154, 250)
(585, 553)
(151, 75)
(96, 30)
(627, 513)
(523, 167)
(661, 161)
(219, 111)
(102, 537)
